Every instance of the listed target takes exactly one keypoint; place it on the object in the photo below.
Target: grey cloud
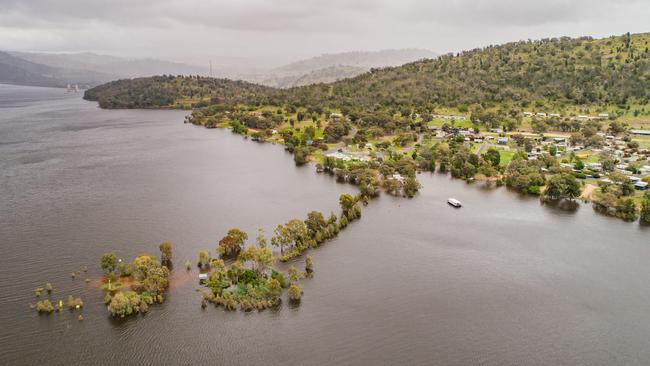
(283, 30)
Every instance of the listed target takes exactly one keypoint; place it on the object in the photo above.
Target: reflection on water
(504, 280)
(564, 205)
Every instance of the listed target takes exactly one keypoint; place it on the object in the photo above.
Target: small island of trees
(252, 281)
(131, 288)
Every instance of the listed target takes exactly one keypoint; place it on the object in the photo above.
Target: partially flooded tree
(281, 238)
(109, 262)
(295, 292)
(232, 243)
(165, 252)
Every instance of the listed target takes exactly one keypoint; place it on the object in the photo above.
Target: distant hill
(115, 67)
(59, 69)
(365, 60)
(332, 67)
(15, 70)
(325, 75)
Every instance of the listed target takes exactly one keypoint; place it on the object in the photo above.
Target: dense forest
(560, 71)
(169, 91)
(555, 72)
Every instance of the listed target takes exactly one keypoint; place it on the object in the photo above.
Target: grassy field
(644, 141)
(460, 124)
(588, 157)
(506, 156)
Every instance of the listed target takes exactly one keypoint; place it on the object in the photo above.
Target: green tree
(645, 209)
(274, 286)
(262, 258)
(627, 188)
(204, 258)
(493, 156)
(299, 233)
(411, 187)
(626, 209)
(315, 222)
(295, 292)
(309, 264)
(109, 262)
(563, 186)
(261, 239)
(281, 237)
(301, 155)
(347, 201)
(165, 252)
(232, 243)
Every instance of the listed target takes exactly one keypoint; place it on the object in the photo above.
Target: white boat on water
(454, 202)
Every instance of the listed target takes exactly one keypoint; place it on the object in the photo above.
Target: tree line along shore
(562, 106)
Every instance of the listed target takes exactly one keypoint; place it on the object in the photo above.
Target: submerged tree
(165, 252)
(109, 262)
(347, 201)
(281, 238)
(232, 243)
(645, 208)
(262, 258)
(563, 186)
(295, 292)
(411, 187)
(261, 239)
(204, 259)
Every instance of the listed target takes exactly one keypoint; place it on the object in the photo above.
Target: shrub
(75, 303)
(534, 190)
(295, 292)
(44, 306)
(626, 209)
(279, 276)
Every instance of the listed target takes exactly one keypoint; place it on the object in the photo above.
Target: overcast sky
(272, 32)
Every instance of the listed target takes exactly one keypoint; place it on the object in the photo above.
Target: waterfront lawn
(506, 156)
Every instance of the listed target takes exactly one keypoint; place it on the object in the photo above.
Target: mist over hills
(60, 69)
(16, 70)
(336, 66)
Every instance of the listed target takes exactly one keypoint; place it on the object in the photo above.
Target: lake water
(502, 281)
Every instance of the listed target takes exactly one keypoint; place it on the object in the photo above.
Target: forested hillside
(173, 92)
(554, 71)
(551, 72)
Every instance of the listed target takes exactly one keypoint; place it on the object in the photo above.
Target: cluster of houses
(348, 156)
(470, 134)
(558, 115)
(613, 144)
(619, 149)
(449, 117)
(542, 114)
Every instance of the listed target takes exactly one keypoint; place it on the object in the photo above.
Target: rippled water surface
(502, 281)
